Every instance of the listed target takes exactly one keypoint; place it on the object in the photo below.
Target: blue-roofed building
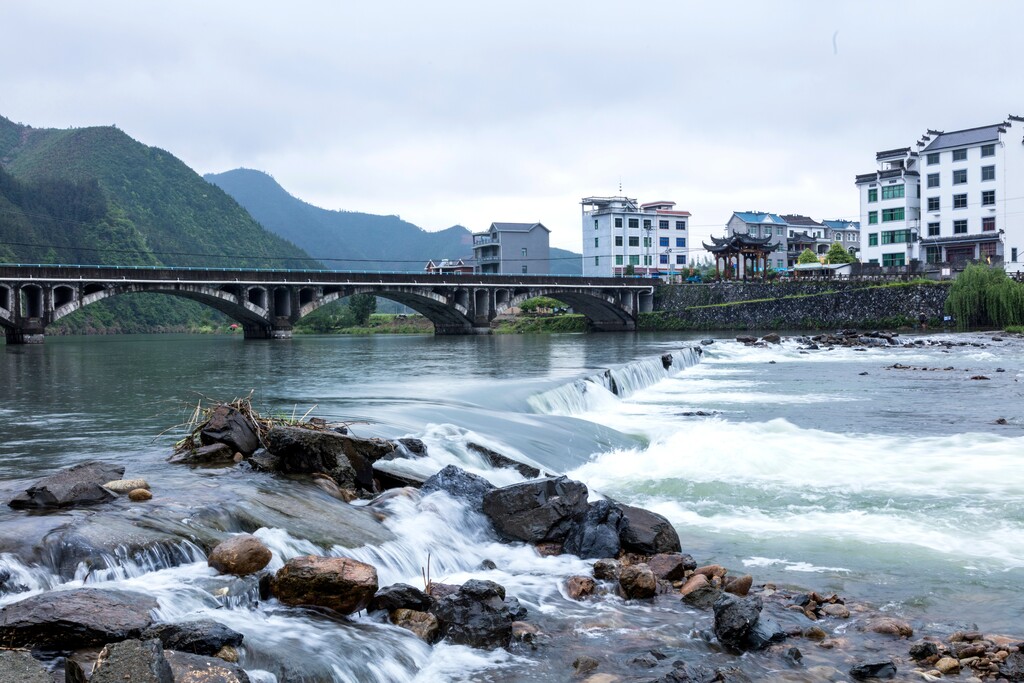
(762, 224)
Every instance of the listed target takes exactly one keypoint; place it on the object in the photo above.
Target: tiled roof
(798, 220)
(965, 138)
(758, 217)
(516, 227)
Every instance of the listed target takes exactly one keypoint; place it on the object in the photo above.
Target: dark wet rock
(488, 565)
(495, 459)
(1000, 421)
(597, 534)
(647, 533)
(772, 338)
(579, 587)
(923, 650)
(216, 454)
(739, 585)
(81, 484)
(346, 459)
(745, 339)
(228, 426)
(477, 615)
(980, 377)
(699, 413)
(240, 555)
(517, 611)
(645, 661)
(862, 373)
(607, 570)
(1012, 668)
(686, 673)
(583, 665)
(75, 618)
(73, 672)
(794, 656)
(707, 342)
(666, 360)
(739, 625)
(20, 667)
(671, 566)
(337, 583)
(764, 632)
(400, 596)
(190, 668)
(890, 626)
(699, 592)
(637, 582)
(200, 637)
(534, 511)
(460, 485)
(442, 590)
(424, 624)
(863, 672)
(9, 585)
(265, 461)
(132, 660)
(413, 447)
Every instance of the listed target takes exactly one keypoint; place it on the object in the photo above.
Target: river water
(824, 470)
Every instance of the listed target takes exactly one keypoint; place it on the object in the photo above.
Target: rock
(671, 566)
(228, 653)
(442, 590)
(523, 632)
(707, 342)
(541, 510)
(891, 627)
(739, 626)
(265, 461)
(132, 660)
(579, 587)
(346, 459)
(424, 624)
(815, 633)
(460, 485)
(548, 548)
(126, 485)
(400, 596)
(740, 585)
(764, 633)
(20, 667)
(607, 570)
(189, 668)
(75, 618)
(647, 533)
(228, 426)
(495, 459)
(337, 583)
(745, 339)
(200, 637)
(873, 670)
(666, 360)
(948, 665)
(837, 610)
(139, 495)
(81, 484)
(637, 582)
(240, 555)
(412, 447)
(923, 650)
(584, 665)
(597, 534)
(517, 611)
(216, 454)
(712, 571)
(772, 338)
(1012, 668)
(699, 592)
(980, 377)
(477, 615)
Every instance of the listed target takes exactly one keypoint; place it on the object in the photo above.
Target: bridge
(268, 303)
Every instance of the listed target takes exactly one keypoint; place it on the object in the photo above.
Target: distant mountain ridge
(350, 240)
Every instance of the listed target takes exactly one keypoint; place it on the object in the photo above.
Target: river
(825, 470)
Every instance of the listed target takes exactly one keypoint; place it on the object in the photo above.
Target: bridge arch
(607, 310)
(448, 315)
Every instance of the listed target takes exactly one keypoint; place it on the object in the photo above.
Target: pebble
(126, 485)
(837, 610)
(948, 665)
(139, 495)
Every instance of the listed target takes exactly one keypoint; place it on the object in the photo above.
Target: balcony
(484, 239)
(494, 258)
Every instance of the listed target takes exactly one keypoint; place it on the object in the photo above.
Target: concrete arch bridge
(268, 303)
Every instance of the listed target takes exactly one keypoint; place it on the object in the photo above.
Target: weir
(268, 303)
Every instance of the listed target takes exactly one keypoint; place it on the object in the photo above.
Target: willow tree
(982, 296)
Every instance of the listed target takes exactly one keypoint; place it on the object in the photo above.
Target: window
(988, 224)
(647, 241)
(597, 260)
(778, 231)
(933, 254)
(618, 260)
(889, 215)
(872, 217)
(662, 241)
(1013, 254)
(680, 225)
(754, 231)
(595, 246)
(524, 269)
(960, 226)
(524, 248)
(647, 224)
(897, 259)
(896, 237)
(959, 155)
(618, 222)
(647, 260)
(933, 229)
(618, 240)
(663, 258)
(873, 194)
(988, 172)
(892, 191)
(634, 241)
(680, 241)
(779, 263)
(933, 180)
(988, 198)
(595, 224)
(872, 239)
(634, 259)
(874, 261)
(960, 176)
(988, 150)
(960, 201)
(634, 223)
(662, 225)
(681, 259)
(933, 203)
(933, 158)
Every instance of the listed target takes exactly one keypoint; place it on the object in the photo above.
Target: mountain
(349, 240)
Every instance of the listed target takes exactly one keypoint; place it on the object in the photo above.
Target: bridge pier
(18, 335)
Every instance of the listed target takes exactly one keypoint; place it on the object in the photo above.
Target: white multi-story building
(792, 233)
(890, 209)
(971, 201)
(619, 233)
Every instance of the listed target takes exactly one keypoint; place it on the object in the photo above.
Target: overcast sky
(466, 113)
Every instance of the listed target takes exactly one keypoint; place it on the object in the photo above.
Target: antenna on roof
(620, 185)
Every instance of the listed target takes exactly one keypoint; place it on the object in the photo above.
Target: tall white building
(618, 233)
(890, 209)
(970, 206)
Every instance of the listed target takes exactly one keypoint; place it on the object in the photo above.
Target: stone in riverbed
(132, 660)
(477, 615)
(699, 592)
(337, 583)
(863, 672)
(126, 485)
(579, 587)
(213, 455)
(139, 495)
(200, 637)
(637, 582)
(948, 666)
(228, 426)
(497, 460)
(671, 566)
(20, 667)
(424, 624)
(347, 459)
(890, 626)
(460, 485)
(647, 533)
(739, 625)
(597, 533)
(534, 511)
(81, 484)
(1012, 668)
(400, 596)
(607, 570)
(741, 586)
(75, 618)
(240, 555)
(189, 668)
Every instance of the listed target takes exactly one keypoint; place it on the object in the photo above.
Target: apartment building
(890, 208)
(620, 236)
(513, 248)
(793, 233)
(762, 224)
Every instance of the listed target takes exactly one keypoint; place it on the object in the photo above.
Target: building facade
(966, 201)
(620, 236)
(513, 249)
(793, 233)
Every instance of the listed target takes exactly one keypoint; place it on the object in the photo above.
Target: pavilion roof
(739, 242)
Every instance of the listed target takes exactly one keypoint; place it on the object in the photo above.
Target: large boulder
(347, 459)
(400, 596)
(596, 535)
(81, 484)
(227, 425)
(75, 618)
(495, 459)
(337, 583)
(212, 455)
(476, 615)
(637, 582)
(647, 533)
(17, 666)
(189, 668)
(459, 484)
(671, 566)
(240, 555)
(132, 660)
(739, 625)
(535, 511)
(200, 637)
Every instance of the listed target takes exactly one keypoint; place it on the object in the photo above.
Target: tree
(362, 307)
(838, 254)
(807, 256)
